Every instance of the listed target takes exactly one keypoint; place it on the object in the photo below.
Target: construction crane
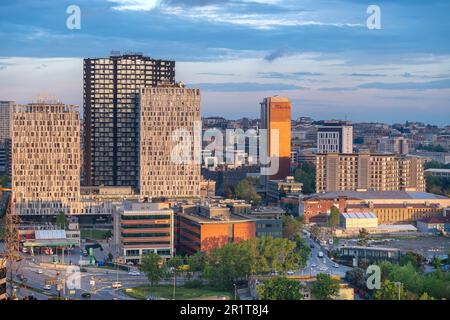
(11, 240)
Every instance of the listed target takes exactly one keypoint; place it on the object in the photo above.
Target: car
(274, 273)
(290, 272)
(336, 265)
(313, 265)
(83, 270)
(323, 268)
(86, 295)
(117, 285)
(134, 273)
(39, 271)
(47, 287)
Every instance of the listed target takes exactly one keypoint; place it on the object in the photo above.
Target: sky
(320, 54)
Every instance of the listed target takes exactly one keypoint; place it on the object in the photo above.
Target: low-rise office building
(141, 228)
(370, 253)
(282, 188)
(359, 220)
(211, 227)
(434, 225)
(389, 206)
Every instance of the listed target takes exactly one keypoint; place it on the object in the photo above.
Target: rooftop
(202, 219)
(369, 195)
(359, 215)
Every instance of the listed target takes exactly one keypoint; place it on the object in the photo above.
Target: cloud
(244, 86)
(338, 89)
(365, 75)
(274, 55)
(440, 84)
(288, 75)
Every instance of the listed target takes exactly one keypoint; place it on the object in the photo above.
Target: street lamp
(235, 291)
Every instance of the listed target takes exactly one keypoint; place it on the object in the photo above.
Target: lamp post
(399, 285)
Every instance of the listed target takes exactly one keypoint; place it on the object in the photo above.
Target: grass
(94, 234)
(166, 292)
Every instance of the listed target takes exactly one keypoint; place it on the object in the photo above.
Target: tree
(280, 288)
(363, 237)
(306, 174)
(389, 291)
(151, 266)
(425, 296)
(291, 226)
(437, 262)
(246, 190)
(325, 287)
(315, 231)
(357, 278)
(415, 259)
(62, 221)
(334, 217)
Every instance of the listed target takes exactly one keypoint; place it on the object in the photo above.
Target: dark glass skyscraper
(111, 115)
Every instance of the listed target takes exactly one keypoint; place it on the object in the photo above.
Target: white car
(117, 285)
(39, 271)
(290, 273)
(313, 265)
(47, 287)
(336, 265)
(274, 273)
(134, 273)
(323, 268)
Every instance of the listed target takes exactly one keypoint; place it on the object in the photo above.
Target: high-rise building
(2, 279)
(276, 119)
(6, 110)
(111, 115)
(46, 158)
(365, 171)
(169, 113)
(335, 137)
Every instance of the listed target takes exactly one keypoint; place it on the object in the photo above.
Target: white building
(359, 220)
(336, 138)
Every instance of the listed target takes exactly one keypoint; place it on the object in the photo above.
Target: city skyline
(322, 56)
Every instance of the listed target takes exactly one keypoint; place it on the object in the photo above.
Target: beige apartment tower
(368, 172)
(169, 168)
(46, 158)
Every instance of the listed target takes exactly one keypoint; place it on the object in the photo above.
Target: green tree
(356, 277)
(315, 231)
(334, 217)
(425, 296)
(280, 288)
(62, 221)
(246, 190)
(291, 226)
(437, 262)
(389, 291)
(363, 237)
(306, 174)
(325, 287)
(152, 267)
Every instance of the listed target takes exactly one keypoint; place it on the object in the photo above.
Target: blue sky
(318, 53)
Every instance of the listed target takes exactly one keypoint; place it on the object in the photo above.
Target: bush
(193, 284)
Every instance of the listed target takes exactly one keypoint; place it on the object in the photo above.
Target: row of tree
(223, 266)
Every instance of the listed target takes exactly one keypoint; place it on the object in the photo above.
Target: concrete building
(6, 111)
(46, 158)
(389, 206)
(397, 145)
(438, 173)
(370, 253)
(368, 172)
(283, 188)
(207, 188)
(435, 225)
(276, 118)
(335, 138)
(170, 142)
(111, 113)
(211, 227)
(141, 228)
(359, 220)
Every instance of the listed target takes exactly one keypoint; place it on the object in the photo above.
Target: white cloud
(135, 5)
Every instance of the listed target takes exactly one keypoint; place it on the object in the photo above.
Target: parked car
(313, 265)
(290, 272)
(134, 273)
(47, 287)
(86, 295)
(83, 270)
(39, 271)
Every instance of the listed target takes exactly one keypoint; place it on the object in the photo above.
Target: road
(317, 265)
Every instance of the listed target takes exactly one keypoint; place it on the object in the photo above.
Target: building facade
(6, 111)
(141, 228)
(397, 145)
(212, 228)
(170, 142)
(111, 115)
(2, 279)
(337, 138)
(276, 119)
(46, 158)
(365, 171)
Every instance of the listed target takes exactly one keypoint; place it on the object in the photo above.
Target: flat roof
(50, 234)
(359, 215)
(369, 248)
(202, 219)
(438, 170)
(368, 195)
